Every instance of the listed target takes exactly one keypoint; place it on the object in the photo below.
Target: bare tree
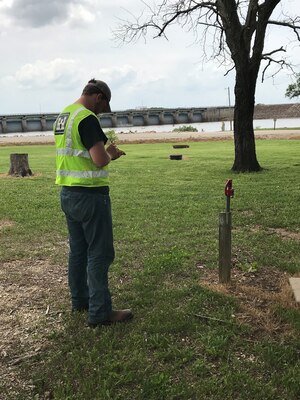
(238, 30)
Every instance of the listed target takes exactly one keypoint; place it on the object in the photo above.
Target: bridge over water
(148, 116)
(127, 118)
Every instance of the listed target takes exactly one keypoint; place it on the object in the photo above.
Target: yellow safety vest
(74, 166)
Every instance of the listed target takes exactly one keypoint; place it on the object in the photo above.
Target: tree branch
(264, 56)
(281, 64)
(229, 70)
(289, 24)
(177, 13)
(162, 16)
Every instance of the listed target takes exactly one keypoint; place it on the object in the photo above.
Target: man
(81, 170)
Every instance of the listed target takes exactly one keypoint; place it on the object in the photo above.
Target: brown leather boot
(114, 317)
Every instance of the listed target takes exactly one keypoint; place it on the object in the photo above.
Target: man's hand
(114, 152)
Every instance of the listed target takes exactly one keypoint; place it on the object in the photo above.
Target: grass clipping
(259, 293)
(28, 314)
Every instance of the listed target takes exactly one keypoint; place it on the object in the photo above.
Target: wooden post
(19, 165)
(224, 247)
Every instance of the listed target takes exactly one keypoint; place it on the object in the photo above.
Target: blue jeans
(89, 223)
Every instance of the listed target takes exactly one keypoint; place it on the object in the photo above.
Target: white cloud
(40, 13)
(60, 73)
(5, 3)
(36, 13)
(80, 16)
(128, 77)
(118, 76)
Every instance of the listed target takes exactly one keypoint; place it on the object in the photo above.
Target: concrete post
(161, 118)
(43, 123)
(191, 116)
(224, 247)
(130, 119)
(24, 124)
(3, 125)
(176, 117)
(146, 118)
(114, 120)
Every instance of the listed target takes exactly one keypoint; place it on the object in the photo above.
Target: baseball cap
(104, 89)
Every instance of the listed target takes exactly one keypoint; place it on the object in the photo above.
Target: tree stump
(19, 165)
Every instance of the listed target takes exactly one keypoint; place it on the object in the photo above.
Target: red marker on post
(229, 192)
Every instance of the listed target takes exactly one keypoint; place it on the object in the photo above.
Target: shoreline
(152, 136)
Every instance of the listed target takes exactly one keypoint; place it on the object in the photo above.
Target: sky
(51, 48)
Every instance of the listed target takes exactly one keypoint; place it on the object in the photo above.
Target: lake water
(213, 126)
(200, 126)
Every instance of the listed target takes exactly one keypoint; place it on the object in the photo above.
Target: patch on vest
(61, 123)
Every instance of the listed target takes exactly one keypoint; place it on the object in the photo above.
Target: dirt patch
(5, 223)
(7, 176)
(258, 293)
(28, 312)
(285, 234)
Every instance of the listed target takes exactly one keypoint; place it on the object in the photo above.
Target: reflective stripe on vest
(71, 152)
(82, 174)
(69, 142)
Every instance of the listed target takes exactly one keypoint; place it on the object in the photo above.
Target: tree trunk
(19, 165)
(245, 153)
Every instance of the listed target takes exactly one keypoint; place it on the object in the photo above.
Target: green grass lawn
(165, 217)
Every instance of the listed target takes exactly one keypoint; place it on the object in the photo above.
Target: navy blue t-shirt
(91, 132)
